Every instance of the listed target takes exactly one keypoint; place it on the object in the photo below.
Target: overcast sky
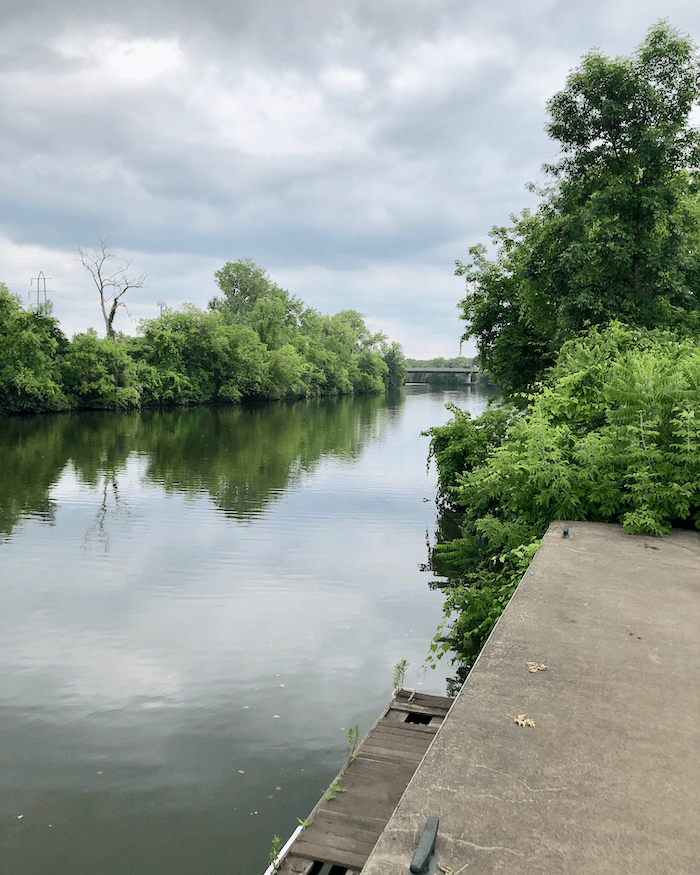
(353, 149)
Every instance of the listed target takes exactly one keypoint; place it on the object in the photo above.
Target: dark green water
(194, 607)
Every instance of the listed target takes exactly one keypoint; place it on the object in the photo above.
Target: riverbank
(613, 435)
(189, 357)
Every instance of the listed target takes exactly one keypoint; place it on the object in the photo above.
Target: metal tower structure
(40, 289)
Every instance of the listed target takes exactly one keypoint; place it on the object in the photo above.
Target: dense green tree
(257, 342)
(617, 235)
(287, 374)
(395, 361)
(197, 357)
(100, 373)
(30, 377)
(310, 353)
(595, 299)
(252, 298)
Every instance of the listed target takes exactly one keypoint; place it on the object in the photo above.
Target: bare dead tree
(111, 286)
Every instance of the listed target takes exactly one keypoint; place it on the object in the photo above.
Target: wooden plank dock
(344, 829)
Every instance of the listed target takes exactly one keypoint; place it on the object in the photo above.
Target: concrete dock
(608, 778)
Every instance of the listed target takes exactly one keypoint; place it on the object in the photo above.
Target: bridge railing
(468, 373)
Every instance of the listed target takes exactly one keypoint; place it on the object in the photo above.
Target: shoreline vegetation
(255, 342)
(588, 319)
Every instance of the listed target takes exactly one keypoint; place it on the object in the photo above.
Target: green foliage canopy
(30, 377)
(197, 357)
(614, 436)
(99, 373)
(252, 298)
(258, 342)
(617, 235)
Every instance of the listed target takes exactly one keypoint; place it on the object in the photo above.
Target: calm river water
(194, 607)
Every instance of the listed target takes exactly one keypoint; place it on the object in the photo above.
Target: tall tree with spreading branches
(617, 234)
(111, 286)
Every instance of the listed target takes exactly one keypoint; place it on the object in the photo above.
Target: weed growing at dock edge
(400, 673)
(274, 853)
(353, 737)
(335, 787)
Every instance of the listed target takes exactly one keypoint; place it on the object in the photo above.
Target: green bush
(30, 377)
(100, 373)
(612, 436)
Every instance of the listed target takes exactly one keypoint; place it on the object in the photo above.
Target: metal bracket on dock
(426, 845)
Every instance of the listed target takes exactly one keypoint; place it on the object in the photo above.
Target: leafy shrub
(100, 373)
(612, 436)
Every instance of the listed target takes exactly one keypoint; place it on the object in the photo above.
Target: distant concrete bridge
(422, 375)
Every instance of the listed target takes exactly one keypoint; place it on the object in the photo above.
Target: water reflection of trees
(112, 504)
(32, 457)
(243, 457)
(448, 528)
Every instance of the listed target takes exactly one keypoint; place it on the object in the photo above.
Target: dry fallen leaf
(536, 666)
(524, 720)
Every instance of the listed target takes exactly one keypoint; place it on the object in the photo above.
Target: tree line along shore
(254, 342)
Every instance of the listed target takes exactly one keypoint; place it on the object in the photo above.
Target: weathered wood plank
(351, 819)
(373, 804)
(416, 730)
(396, 720)
(328, 855)
(401, 736)
(388, 750)
(349, 825)
(423, 699)
(344, 830)
(420, 709)
(292, 865)
(336, 842)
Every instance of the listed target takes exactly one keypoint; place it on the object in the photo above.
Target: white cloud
(141, 59)
(541, 73)
(343, 80)
(132, 60)
(435, 68)
(272, 113)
